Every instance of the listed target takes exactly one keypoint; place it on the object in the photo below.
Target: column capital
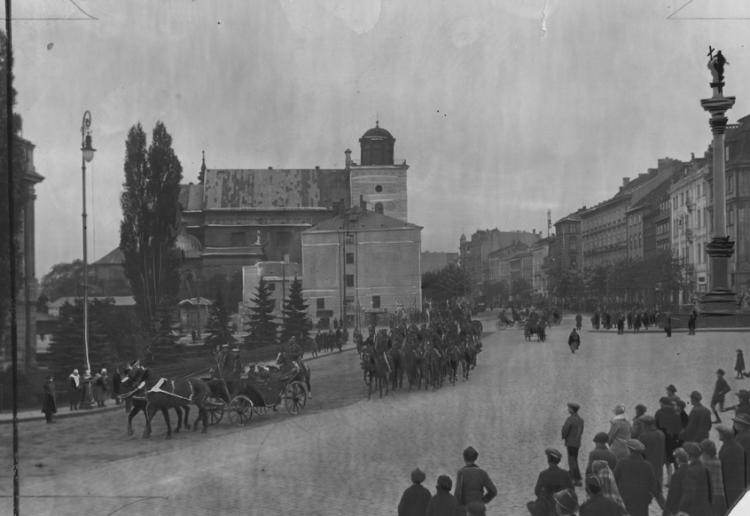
(717, 106)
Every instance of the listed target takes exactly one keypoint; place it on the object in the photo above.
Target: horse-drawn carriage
(257, 389)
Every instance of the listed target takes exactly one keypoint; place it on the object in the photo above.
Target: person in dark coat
(713, 466)
(636, 481)
(691, 322)
(636, 426)
(699, 421)
(742, 436)
(566, 502)
(668, 324)
(550, 481)
(473, 484)
(574, 341)
(443, 503)
(598, 505)
(676, 483)
(572, 431)
(743, 403)
(720, 391)
(654, 441)
(601, 452)
(739, 365)
(49, 401)
(416, 497)
(733, 460)
(684, 419)
(579, 322)
(696, 490)
(668, 421)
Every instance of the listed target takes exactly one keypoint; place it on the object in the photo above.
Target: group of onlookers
(98, 388)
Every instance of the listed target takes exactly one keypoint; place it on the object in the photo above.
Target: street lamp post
(87, 154)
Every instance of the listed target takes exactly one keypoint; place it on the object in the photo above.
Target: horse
(165, 394)
(135, 402)
(396, 358)
(376, 368)
(454, 357)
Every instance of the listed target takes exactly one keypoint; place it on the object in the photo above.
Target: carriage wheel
(295, 397)
(241, 410)
(215, 414)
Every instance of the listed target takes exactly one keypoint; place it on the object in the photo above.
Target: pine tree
(150, 222)
(217, 325)
(295, 321)
(262, 328)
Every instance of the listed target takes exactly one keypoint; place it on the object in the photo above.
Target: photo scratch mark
(707, 17)
(86, 16)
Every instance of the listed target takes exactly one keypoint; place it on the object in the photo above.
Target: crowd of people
(637, 319)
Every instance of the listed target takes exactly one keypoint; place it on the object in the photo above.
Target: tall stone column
(720, 299)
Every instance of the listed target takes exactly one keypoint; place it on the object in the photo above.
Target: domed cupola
(376, 146)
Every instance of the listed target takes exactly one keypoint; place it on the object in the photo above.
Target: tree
(9, 227)
(218, 324)
(262, 328)
(63, 280)
(449, 282)
(295, 321)
(150, 222)
(163, 346)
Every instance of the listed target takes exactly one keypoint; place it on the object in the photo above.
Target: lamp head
(87, 150)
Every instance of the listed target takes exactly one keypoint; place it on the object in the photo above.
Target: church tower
(377, 180)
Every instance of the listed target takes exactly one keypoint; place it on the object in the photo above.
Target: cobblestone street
(348, 455)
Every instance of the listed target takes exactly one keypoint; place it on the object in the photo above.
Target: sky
(503, 109)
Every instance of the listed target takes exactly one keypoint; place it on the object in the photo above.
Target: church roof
(377, 133)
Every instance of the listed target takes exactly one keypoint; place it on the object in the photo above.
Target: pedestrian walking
(720, 391)
(473, 484)
(696, 492)
(636, 426)
(619, 433)
(739, 365)
(74, 389)
(733, 463)
(668, 421)
(676, 483)
(691, 322)
(549, 482)
(699, 421)
(566, 503)
(601, 452)
(713, 466)
(606, 478)
(572, 431)
(416, 497)
(636, 481)
(668, 324)
(597, 504)
(443, 503)
(654, 441)
(49, 401)
(579, 322)
(574, 341)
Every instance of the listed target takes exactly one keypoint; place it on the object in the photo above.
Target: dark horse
(135, 402)
(165, 394)
(376, 367)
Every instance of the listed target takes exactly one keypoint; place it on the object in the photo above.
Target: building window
(379, 207)
(320, 303)
(376, 302)
(350, 280)
(349, 258)
(237, 238)
(730, 216)
(730, 183)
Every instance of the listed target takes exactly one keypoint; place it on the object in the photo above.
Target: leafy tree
(218, 324)
(521, 291)
(449, 282)
(10, 124)
(150, 222)
(63, 280)
(262, 328)
(295, 321)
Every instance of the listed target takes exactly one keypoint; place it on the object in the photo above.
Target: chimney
(348, 161)
(692, 156)
(625, 181)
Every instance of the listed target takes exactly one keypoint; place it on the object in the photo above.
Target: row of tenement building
(666, 208)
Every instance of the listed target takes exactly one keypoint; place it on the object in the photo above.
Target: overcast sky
(503, 108)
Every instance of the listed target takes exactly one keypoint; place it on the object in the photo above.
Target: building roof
(114, 257)
(196, 301)
(117, 300)
(377, 133)
(361, 220)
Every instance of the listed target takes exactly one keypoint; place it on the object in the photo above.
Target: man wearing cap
(473, 484)
(566, 502)
(672, 393)
(720, 391)
(743, 403)
(654, 441)
(733, 463)
(416, 497)
(572, 431)
(676, 483)
(550, 481)
(601, 452)
(668, 421)
(699, 421)
(636, 480)
(443, 503)
(696, 487)
(597, 504)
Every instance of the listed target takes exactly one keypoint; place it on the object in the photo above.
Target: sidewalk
(37, 415)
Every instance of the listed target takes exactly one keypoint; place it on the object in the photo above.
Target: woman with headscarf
(600, 469)
(619, 433)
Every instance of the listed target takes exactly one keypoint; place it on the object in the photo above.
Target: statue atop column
(716, 66)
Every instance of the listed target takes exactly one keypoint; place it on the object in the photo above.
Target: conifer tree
(262, 329)
(295, 321)
(217, 326)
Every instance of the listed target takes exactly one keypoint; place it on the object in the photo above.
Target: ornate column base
(721, 300)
